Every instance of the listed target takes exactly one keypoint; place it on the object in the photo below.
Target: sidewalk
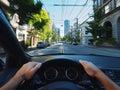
(111, 49)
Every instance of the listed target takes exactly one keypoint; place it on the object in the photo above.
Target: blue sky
(60, 13)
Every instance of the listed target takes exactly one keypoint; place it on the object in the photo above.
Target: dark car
(60, 68)
(41, 45)
(75, 43)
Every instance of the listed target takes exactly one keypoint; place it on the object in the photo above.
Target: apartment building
(111, 10)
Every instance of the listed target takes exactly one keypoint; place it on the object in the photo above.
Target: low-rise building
(22, 31)
(85, 37)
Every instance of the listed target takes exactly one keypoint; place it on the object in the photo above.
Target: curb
(106, 48)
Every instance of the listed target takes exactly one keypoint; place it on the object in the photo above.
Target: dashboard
(114, 74)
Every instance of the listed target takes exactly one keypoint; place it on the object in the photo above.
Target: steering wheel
(40, 83)
(63, 84)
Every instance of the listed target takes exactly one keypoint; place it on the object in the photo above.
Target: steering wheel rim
(62, 85)
(93, 80)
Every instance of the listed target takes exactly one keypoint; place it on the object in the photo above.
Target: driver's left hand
(28, 70)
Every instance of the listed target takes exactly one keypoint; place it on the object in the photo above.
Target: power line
(66, 9)
(84, 14)
(62, 10)
(72, 9)
(95, 12)
(64, 5)
(67, 5)
(82, 9)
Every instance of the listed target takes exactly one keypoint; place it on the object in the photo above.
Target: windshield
(72, 27)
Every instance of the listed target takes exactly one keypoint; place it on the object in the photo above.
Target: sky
(73, 9)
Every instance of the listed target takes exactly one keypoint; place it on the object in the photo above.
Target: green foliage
(67, 38)
(55, 36)
(28, 42)
(98, 41)
(98, 14)
(112, 41)
(24, 8)
(41, 22)
(99, 33)
(95, 29)
(77, 38)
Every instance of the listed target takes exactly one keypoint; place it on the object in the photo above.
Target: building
(85, 37)
(66, 27)
(75, 32)
(23, 32)
(111, 10)
(76, 26)
(57, 30)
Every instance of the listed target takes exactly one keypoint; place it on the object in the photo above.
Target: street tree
(41, 22)
(67, 37)
(100, 33)
(95, 29)
(55, 37)
(25, 10)
(94, 26)
(77, 37)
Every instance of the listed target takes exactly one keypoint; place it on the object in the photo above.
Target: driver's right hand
(91, 69)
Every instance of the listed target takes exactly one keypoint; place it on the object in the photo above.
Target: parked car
(41, 45)
(75, 43)
(49, 44)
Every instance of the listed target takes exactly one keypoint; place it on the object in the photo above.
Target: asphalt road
(75, 49)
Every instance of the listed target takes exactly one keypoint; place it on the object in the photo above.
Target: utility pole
(76, 29)
(77, 24)
(71, 34)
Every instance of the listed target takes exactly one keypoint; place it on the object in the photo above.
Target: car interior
(58, 71)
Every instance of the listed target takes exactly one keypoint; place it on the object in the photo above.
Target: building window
(117, 3)
(99, 2)
(108, 7)
(95, 4)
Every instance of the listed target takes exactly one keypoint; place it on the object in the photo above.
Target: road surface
(75, 49)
